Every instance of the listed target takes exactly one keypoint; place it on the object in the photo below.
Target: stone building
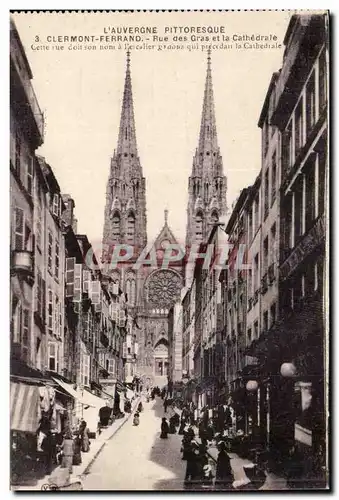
(151, 288)
(292, 351)
(26, 135)
(52, 344)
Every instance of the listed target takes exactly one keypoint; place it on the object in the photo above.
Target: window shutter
(29, 163)
(124, 350)
(77, 282)
(70, 265)
(86, 280)
(95, 291)
(19, 229)
(56, 204)
(115, 312)
(122, 318)
(43, 305)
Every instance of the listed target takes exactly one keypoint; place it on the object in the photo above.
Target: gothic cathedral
(150, 290)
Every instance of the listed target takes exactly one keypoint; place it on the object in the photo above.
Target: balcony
(23, 264)
(271, 274)
(22, 87)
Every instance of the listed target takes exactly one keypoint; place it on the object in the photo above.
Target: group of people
(136, 418)
(198, 470)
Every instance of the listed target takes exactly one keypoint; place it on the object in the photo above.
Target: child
(136, 418)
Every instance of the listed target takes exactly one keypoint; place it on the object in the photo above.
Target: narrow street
(137, 459)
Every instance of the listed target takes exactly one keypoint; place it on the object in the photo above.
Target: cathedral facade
(150, 288)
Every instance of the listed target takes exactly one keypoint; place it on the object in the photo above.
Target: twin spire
(127, 141)
(208, 141)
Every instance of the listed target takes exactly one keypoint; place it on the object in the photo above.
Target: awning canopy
(75, 394)
(25, 407)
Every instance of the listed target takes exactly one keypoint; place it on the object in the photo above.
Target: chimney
(75, 225)
(68, 213)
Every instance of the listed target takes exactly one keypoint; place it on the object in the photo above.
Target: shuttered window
(19, 229)
(70, 265)
(50, 252)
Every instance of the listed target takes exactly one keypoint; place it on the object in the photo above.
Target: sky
(80, 93)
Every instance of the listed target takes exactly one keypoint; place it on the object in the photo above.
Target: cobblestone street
(137, 459)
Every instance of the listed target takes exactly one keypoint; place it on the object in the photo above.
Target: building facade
(292, 351)
(150, 286)
(26, 135)
(207, 184)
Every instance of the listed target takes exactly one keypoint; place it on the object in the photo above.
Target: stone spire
(125, 209)
(127, 141)
(208, 142)
(207, 185)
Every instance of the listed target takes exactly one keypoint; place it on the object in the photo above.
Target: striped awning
(25, 407)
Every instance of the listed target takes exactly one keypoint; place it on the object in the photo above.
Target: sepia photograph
(169, 250)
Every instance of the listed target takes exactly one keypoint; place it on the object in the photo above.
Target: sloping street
(137, 459)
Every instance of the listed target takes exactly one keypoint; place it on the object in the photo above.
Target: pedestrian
(210, 431)
(295, 468)
(84, 436)
(182, 425)
(164, 429)
(224, 474)
(203, 433)
(48, 447)
(190, 433)
(165, 405)
(191, 454)
(172, 428)
(140, 407)
(77, 449)
(185, 446)
(176, 419)
(203, 473)
(136, 418)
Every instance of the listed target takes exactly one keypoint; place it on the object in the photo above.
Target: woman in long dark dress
(203, 473)
(172, 428)
(84, 436)
(182, 425)
(77, 450)
(191, 454)
(224, 473)
(164, 429)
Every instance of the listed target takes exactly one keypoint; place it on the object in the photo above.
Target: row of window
(21, 159)
(270, 185)
(311, 103)
(23, 238)
(303, 285)
(54, 314)
(305, 202)
(53, 255)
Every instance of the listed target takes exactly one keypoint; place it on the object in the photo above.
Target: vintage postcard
(169, 176)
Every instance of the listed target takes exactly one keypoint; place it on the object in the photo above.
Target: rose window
(164, 288)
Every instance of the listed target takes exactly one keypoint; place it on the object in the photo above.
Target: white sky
(80, 93)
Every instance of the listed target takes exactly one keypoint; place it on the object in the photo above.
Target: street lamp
(288, 370)
(252, 386)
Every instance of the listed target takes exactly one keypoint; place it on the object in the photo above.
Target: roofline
(264, 109)
(15, 32)
(240, 202)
